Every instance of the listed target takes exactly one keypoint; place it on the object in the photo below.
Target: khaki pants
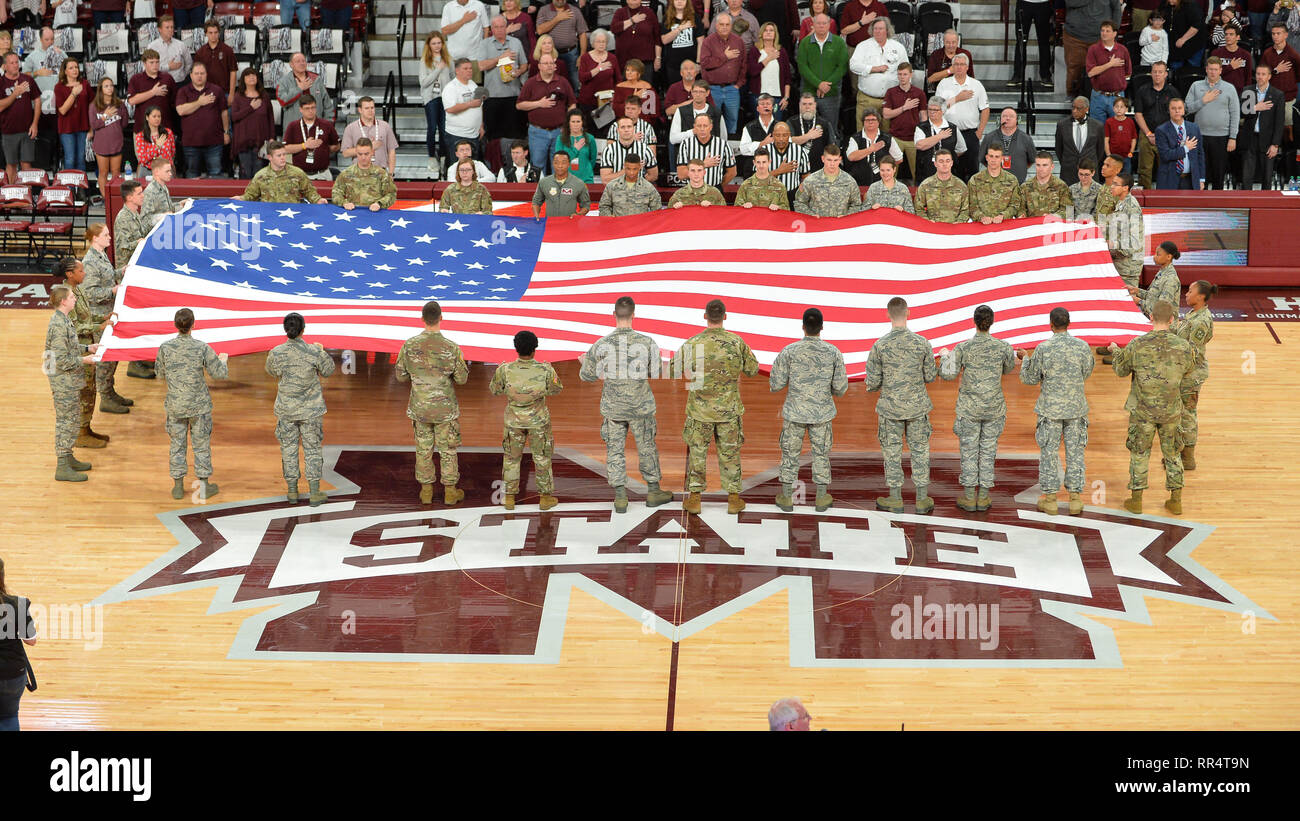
(909, 151)
(866, 101)
(1148, 162)
(1076, 54)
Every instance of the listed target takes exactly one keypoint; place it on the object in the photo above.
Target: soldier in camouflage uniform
(364, 184)
(712, 362)
(64, 357)
(1045, 193)
(73, 273)
(1060, 365)
(466, 195)
(157, 199)
(299, 405)
(626, 361)
(129, 230)
(1165, 287)
(100, 289)
(1106, 202)
(888, 192)
(526, 383)
(281, 181)
(943, 197)
(182, 361)
(695, 192)
(1198, 329)
(828, 192)
(994, 194)
(762, 190)
(1084, 193)
(433, 364)
(900, 365)
(813, 371)
(1125, 233)
(631, 195)
(982, 361)
(1159, 363)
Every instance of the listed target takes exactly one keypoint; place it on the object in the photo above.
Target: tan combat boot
(1175, 503)
(509, 501)
(426, 493)
(691, 504)
(656, 496)
(785, 499)
(1076, 504)
(547, 502)
(620, 499)
(735, 504)
(969, 501)
(86, 439)
(1047, 504)
(1133, 504)
(452, 495)
(1189, 457)
(983, 502)
(316, 497)
(292, 494)
(178, 487)
(892, 503)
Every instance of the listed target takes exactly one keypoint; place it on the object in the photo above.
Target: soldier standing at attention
(526, 383)
(433, 364)
(994, 194)
(712, 362)
(1045, 193)
(828, 192)
(100, 289)
(982, 361)
(761, 189)
(129, 230)
(157, 199)
(696, 191)
(64, 358)
(299, 405)
(1125, 233)
(631, 194)
(813, 371)
(88, 332)
(626, 361)
(943, 197)
(281, 181)
(181, 362)
(1060, 365)
(900, 365)
(364, 184)
(563, 194)
(1165, 287)
(1159, 363)
(1198, 329)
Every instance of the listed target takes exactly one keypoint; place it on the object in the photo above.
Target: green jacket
(819, 64)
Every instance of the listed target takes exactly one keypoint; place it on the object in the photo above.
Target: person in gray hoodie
(1213, 105)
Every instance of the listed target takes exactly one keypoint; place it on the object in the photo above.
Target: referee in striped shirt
(632, 110)
(624, 143)
(789, 161)
(719, 164)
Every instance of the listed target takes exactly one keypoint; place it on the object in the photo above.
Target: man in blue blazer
(1182, 157)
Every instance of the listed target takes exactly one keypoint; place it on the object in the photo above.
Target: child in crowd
(1121, 134)
(1154, 40)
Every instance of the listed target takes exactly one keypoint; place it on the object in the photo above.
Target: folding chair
(55, 200)
(79, 183)
(16, 207)
(72, 39)
(282, 42)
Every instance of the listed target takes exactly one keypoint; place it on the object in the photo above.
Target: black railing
(401, 41)
(389, 106)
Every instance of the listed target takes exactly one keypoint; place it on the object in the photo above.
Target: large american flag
(359, 278)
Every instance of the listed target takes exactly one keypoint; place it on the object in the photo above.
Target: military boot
(1133, 504)
(292, 495)
(547, 502)
(452, 495)
(509, 501)
(691, 504)
(1189, 457)
(107, 404)
(892, 503)
(824, 499)
(1047, 504)
(426, 493)
(120, 399)
(735, 504)
(1175, 503)
(85, 439)
(316, 497)
(141, 370)
(924, 504)
(65, 473)
(969, 501)
(178, 488)
(983, 502)
(784, 499)
(620, 499)
(1076, 504)
(657, 496)
(103, 437)
(77, 464)
(207, 489)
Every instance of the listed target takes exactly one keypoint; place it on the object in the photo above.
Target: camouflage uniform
(625, 361)
(288, 185)
(763, 193)
(87, 333)
(814, 372)
(181, 361)
(1198, 329)
(98, 288)
(1159, 362)
(1166, 287)
(981, 408)
(896, 197)
(63, 354)
(1041, 200)
(694, 196)
(129, 228)
(713, 361)
(622, 200)
(821, 196)
(432, 363)
(943, 200)
(466, 199)
(992, 196)
(299, 405)
(526, 383)
(363, 186)
(1105, 205)
(1127, 240)
(899, 366)
(1085, 202)
(1060, 365)
(157, 201)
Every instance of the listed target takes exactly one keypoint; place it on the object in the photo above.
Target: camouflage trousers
(1189, 426)
(1128, 266)
(819, 441)
(67, 421)
(978, 440)
(309, 432)
(105, 377)
(891, 433)
(643, 430)
(199, 431)
(728, 436)
(88, 397)
(443, 437)
(1140, 434)
(542, 443)
(1049, 434)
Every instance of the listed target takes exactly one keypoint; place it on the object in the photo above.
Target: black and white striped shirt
(642, 127)
(615, 153)
(795, 154)
(691, 148)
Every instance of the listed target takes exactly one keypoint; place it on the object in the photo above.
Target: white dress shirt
(869, 53)
(965, 114)
(173, 50)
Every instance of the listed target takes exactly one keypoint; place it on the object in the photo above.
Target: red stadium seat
(16, 206)
(54, 201)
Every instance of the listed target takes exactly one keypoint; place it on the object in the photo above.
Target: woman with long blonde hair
(769, 69)
(682, 33)
(435, 72)
(546, 45)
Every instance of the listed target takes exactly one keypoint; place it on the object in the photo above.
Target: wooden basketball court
(184, 657)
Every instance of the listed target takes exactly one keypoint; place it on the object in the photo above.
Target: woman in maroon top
(519, 25)
(636, 31)
(597, 70)
(72, 99)
(634, 85)
(154, 141)
(815, 8)
(250, 111)
(106, 113)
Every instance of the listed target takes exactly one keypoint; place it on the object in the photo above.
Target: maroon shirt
(203, 127)
(536, 89)
(320, 128)
(77, 119)
(1239, 77)
(589, 84)
(251, 126)
(678, 93)
(852, 13)
(141, 83)
(17, 118)
(219, 63)
(939, 60)
(640, 40)
(1122, 135)
(716, 67)
(1283, 81)
(1114, 78)
(903, 127)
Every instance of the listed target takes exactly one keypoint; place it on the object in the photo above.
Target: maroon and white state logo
(372, 575)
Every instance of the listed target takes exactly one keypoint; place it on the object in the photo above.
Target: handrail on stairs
(401, 41)
(1006, 26)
